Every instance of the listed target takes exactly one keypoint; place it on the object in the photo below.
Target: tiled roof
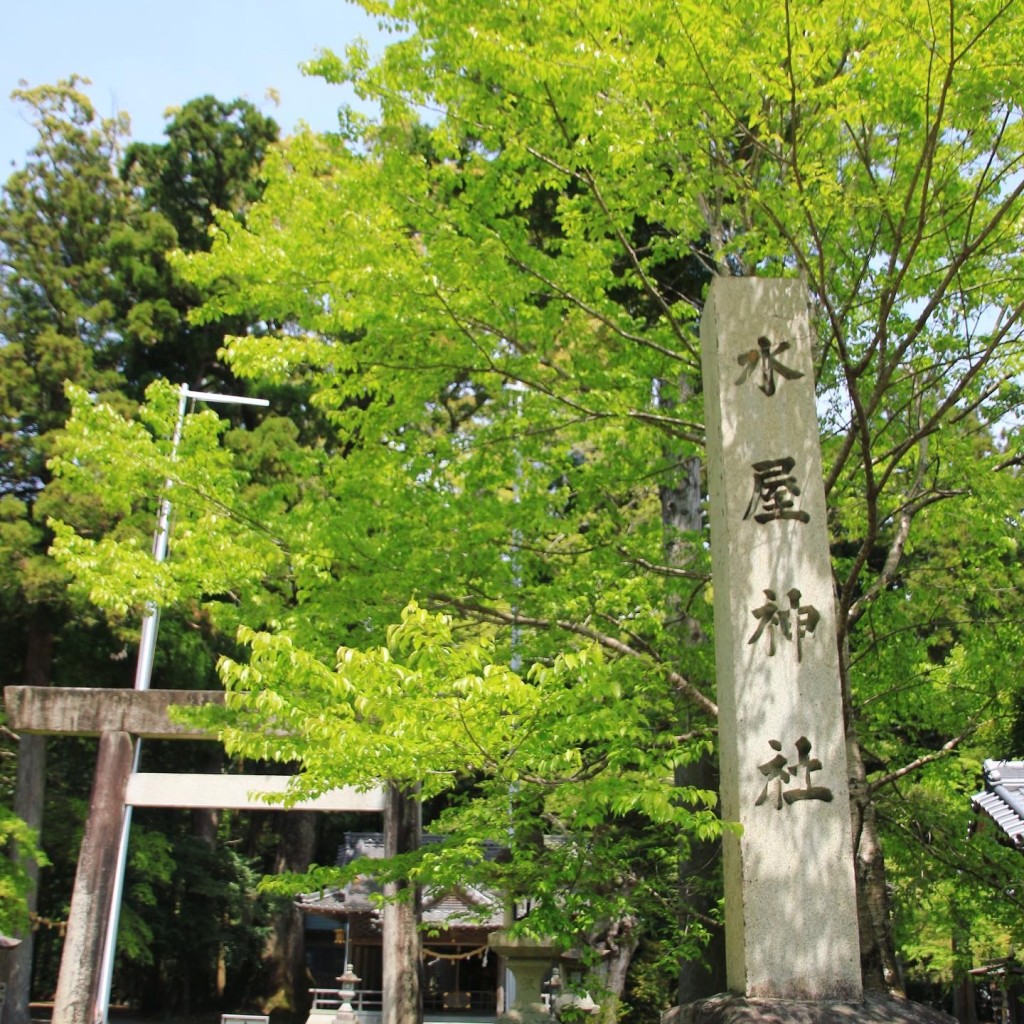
(463, 907)
(371, 844)
(1003, 798)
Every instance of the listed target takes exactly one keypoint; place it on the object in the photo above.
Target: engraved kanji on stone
(772, 618)
(806, 764)
(765, 357)
(775, 771)
(775, 487)
(807, 619)
(778, 772)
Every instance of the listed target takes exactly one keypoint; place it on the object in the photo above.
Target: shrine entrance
(118, 717)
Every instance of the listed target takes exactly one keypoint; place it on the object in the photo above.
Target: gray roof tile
(1003, 798)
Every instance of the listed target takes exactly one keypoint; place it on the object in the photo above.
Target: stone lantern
(348, 981)
(529, 960)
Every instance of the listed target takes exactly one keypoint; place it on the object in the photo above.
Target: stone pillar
(529, 961)
(402, 993)
(93, 890)
(791, 918)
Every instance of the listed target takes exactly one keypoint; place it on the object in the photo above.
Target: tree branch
(936, 755)
(513, 618)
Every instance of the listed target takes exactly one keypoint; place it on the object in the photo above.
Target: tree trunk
(29, 797)
(620, 944)
(287, 982)
(403, 990)
(700, 889)
(28, 805)
(964, 1005)
(699, 878)
(879, 971)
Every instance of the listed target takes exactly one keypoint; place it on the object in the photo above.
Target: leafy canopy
(488, 297)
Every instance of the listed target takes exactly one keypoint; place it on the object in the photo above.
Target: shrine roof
(1003, 798)
(465, 906)
(371, 844)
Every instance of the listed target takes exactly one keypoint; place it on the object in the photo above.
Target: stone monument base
(733, 1009)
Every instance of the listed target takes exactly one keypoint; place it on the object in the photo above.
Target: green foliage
(652, 985)
(18, 844)
(572, 751)
(87, 295)
(962, 890)
(489, 313)
(117, 568)
(210, 162)
(59, 316)
(152, 870)
(189, 906)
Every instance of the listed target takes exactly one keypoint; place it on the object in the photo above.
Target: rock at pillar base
(732, 1009)
(529, 961)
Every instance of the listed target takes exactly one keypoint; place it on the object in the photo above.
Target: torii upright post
(790, 902)
(402, 996)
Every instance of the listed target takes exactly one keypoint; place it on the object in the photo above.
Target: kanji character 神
(771, 617)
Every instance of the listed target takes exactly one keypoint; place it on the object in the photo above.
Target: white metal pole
(143, 676)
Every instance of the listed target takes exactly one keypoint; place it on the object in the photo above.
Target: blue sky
(145, 57)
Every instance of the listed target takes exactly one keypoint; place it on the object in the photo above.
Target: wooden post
(90, 900)
(402, 961)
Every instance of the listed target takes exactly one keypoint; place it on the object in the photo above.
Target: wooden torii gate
(118, 717)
